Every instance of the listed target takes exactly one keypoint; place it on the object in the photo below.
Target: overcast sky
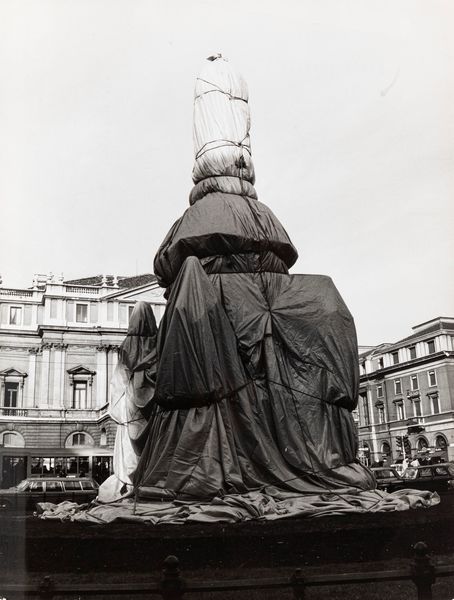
(352, 106)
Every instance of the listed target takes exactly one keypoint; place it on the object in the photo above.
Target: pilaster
(43, 400)
(114, 357)
(29, 400)
(58, 375)
(101, 375)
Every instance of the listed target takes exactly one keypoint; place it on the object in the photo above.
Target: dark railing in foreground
(172, 586)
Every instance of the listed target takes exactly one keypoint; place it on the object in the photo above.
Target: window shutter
(27, 314)
(70, 311)
(93, 312)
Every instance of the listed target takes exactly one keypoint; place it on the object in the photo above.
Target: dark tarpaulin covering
(247, 402)
(224, 221)
(257, 372)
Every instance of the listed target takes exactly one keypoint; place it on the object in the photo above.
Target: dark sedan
(24, 497)
(388, 479)
(434, 478)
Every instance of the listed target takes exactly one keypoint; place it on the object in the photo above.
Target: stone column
(101, 376)
(58, 375)
(20, 403)
(114, 355)
(63, 376)
(29, 400)
(43, 400)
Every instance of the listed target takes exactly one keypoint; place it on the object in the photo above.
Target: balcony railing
(16, 293)
(85, 291)
(68, 414)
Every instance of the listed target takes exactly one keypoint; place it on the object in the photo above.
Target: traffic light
(407, 445)
(399, 442)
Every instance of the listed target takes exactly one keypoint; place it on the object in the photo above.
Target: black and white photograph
(227, 299)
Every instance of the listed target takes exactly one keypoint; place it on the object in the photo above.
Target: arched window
(79, 438)
(422, 444)
(386, 449)
(441, 443)
(12, 439)
(441, 447)
(103, 439)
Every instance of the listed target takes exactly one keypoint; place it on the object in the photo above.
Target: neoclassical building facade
(59, 345)
(406, 399)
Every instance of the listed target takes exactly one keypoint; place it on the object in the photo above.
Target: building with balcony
(406, 397)
(59, 344)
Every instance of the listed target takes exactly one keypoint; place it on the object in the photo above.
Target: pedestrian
(415, 462)
(405, 464)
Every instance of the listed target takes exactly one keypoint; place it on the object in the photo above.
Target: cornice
(416, 362)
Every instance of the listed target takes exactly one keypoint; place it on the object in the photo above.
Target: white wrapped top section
(221, 123)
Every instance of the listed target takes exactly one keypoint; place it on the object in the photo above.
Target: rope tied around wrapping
(204, 149)
(217, 89)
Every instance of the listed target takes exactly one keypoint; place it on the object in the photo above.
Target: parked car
(388, 479)
(24, 496)
(434, 478)
(399, 468)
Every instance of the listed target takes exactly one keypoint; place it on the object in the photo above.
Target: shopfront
(19, 463)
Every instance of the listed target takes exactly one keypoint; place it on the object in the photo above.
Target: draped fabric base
(269, 504)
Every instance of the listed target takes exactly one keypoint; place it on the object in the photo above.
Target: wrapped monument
(241, 406)
(258, 369)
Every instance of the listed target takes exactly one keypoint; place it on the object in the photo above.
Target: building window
(422, 444)
(386, 449)
(79, 394)
(441, 443)
(380, 363)
(431, 346)
(397, 387)
(10, 396)
(15, 315)
(381, 414)
(432, 378)
(417, 407)
(103, 438)
(414, 382)
(412, 352)
(82, 313)
(130, 311)
(395, 358)
(435, 404)
(79, 439)
(379, 391)
(12, 439)
(400, 411)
